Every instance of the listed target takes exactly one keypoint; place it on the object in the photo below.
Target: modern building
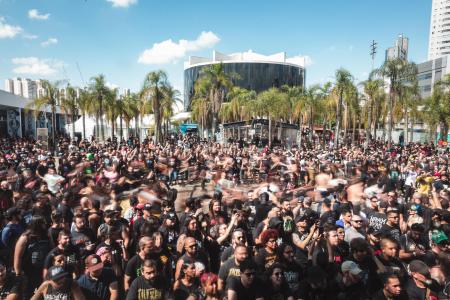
(255, 71)
(17, 121)
(439, 40)
(430, 72)
(400, 50)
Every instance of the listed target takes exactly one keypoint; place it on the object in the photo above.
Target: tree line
(157, 96)
(389, 96)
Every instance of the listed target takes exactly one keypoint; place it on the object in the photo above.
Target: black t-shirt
(72, 257)
(142, 289)
(97, 289)
(229, 269)
(328, 217)
(390, 232)
(376, 220)
(11, 286)
(293, 274)
(283, 292)
(265, 259)
(255, 291)
(134, 267)
(416, 293)
(380, 296)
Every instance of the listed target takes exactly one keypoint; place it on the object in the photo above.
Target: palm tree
(69, 105)
(274, 105)
(50, 100)
(372, 88)
(201, 112)
(152, 92)
(399, 72)
(437, 108)
(99, 91)
(171, 99)
(128, 109)
(85, 105)
(112, 108)
(213, 83)
(343, 81)
(236, 108)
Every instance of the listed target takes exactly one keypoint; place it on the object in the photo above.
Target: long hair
(37, 227)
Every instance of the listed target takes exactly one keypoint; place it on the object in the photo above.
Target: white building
(439, 43)
(23, 87)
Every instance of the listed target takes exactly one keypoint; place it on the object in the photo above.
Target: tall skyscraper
(400, 50)
(23, 87)
(439, 43)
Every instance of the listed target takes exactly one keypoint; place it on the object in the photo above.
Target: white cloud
(8, 31)
(50, 41)
(303, 60)
(30, 36)
(36, 66)
(122, 3)
(34, 14)
(169, 51)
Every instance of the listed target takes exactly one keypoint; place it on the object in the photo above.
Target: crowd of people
(193, 219)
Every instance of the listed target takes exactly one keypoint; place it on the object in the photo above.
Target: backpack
(36, 252)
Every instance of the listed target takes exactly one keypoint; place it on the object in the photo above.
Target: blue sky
(125, 39)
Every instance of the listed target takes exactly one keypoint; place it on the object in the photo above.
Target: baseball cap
(418, 266)
(438, 236)
(350, 266)
(93, 262)
(56, 273)
(147, 206)
(103, 250)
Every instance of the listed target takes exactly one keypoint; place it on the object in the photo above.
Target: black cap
(147, 206)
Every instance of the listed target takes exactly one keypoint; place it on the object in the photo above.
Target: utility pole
(373, 51)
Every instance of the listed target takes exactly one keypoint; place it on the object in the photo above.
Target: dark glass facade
(252, 76)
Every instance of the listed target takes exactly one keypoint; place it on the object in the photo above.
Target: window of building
(424, 76)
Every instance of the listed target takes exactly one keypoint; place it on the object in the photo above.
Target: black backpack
(36, 252)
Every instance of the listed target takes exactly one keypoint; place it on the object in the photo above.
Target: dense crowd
(194, 219)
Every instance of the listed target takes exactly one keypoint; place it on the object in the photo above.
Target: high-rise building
(439, 42)
(23, 87)
(400, 50)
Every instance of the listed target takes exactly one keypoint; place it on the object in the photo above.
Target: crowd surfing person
(193, 219)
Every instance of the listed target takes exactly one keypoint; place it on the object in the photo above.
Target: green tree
(171, 99)
(344, 81)
(50, 100)
(85, 105)
(112, 108)
(213, 84)
(69, 105)
(274, 104)
(437, 109)
(152, 92)
(372, 89)
(99, 91)
(399, 72)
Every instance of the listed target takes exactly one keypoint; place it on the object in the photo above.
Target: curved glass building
(255, 71)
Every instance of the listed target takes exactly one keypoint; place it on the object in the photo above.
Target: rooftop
(248, 56)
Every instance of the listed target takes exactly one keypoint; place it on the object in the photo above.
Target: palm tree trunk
(411, 132)
(391, 117)
(405, 125)
(121, 127)
(369, 123)
(54, 128)
(73, 125)
(102, 129)
(136, 121)
(338, 121)
(270, 131)
(113, 127)
(301, 131)
(84, 125)
(311, 126)
(97, 120)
